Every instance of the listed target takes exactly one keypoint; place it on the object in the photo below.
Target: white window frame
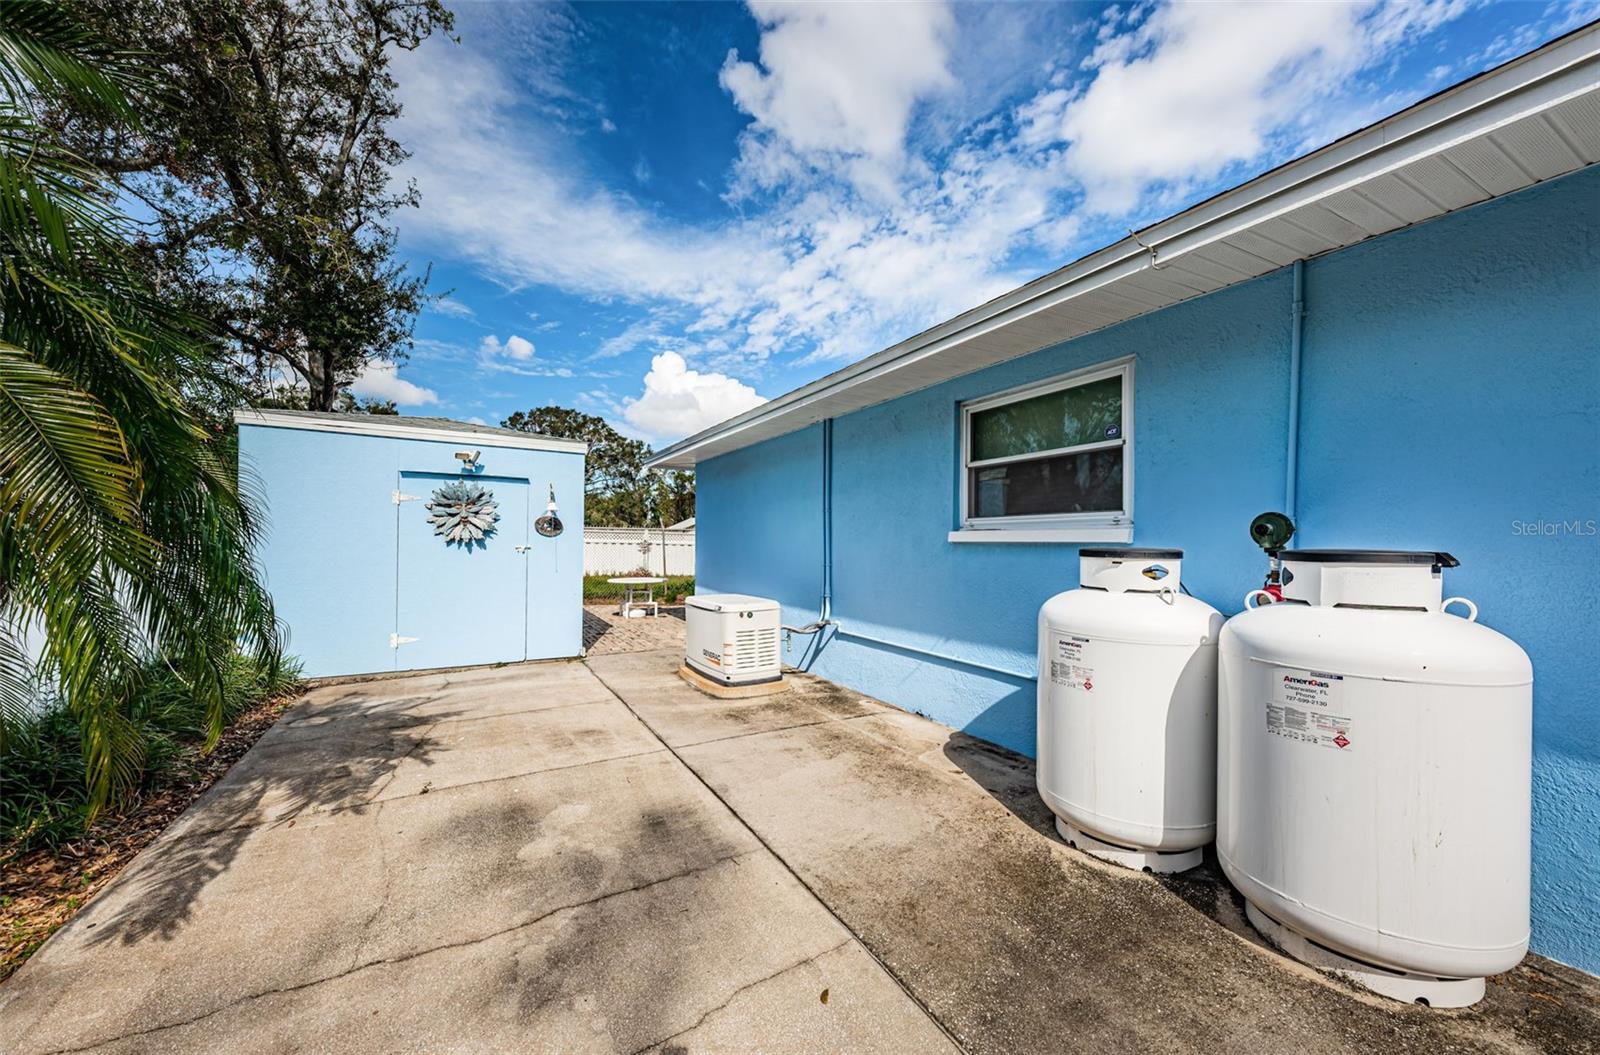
(1051, 527)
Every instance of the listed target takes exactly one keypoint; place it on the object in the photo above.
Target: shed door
(460, 604)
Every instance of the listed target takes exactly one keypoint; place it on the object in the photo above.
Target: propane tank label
(1307, 707)
(1069, 664)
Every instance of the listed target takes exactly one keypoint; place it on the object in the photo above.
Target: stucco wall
(1451, 388)
(331, 551)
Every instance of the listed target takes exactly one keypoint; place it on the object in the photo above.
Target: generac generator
(733, 639)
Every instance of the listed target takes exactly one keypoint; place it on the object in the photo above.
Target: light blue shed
(404, 543)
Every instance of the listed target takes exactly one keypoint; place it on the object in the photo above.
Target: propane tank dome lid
(1133, 554)
(1435, 558)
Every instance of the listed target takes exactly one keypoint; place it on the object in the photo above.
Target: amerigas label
(1071, 663)
(1307, 706)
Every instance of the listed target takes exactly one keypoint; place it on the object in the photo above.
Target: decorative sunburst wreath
(463, 513)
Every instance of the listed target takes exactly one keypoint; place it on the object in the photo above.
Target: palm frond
(43, 49)
(17, 689)
(64, 466)
(124, 534)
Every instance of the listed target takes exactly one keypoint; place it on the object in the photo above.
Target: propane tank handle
(1472, 609)
(1257, 593)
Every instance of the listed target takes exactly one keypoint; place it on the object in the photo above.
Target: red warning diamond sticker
(1342, 740)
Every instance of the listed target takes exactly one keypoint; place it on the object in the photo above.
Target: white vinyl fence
(619, 551)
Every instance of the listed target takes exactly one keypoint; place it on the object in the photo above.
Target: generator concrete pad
(716, 689)
(431, 864)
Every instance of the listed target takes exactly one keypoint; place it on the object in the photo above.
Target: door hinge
(400, 496)
(396, 640)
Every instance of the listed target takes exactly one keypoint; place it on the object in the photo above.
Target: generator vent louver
(754, 649)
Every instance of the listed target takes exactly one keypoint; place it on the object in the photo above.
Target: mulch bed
(44, 888)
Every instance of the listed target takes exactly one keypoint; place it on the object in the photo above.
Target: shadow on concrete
(1543, 1003)
(595, 626)
(1010, 778)
(337, 755)
(1007, 776)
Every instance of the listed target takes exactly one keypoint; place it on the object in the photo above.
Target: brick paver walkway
(606, 633)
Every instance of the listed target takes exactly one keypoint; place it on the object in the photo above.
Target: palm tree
(124, 535)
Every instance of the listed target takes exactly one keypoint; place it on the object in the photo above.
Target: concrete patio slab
(303, 766)
(474, 693)
(418, 864)
(936, 851)
(584, 903)
(679, 714)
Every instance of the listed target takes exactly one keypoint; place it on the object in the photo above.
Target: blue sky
(664, 213)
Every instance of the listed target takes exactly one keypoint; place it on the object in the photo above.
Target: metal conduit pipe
(825, 616)
(827, 522)
(1291, 483)
(1030, 676)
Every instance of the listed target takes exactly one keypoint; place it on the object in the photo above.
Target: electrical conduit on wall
(1297, 325)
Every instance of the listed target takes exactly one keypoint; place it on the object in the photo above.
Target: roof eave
(394, 427)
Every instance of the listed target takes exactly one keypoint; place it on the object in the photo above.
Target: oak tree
(265, 173)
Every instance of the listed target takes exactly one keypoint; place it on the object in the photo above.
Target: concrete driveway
(595, 857)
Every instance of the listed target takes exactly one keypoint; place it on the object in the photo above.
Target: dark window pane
(1090, 482)
(1089, 413)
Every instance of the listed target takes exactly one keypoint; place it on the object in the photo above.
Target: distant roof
(1531, 119)
(682, 525)
(406, 427)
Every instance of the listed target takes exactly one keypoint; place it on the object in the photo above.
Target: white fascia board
(1536, 82)
(375, 425)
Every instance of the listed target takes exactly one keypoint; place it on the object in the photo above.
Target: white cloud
(381, 380)
(891, 193)
(452, 307)
(517, 204)
(1198, 88)
(678, 401)
(648, 333)
(519, 349)
(842, 78)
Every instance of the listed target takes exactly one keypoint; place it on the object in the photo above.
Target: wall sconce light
(549, 525)
(469, 459)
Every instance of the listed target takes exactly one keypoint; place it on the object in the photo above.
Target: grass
(44, 798)
(595, 587)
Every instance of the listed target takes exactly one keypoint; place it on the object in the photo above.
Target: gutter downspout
(827, 522)
(825, 615)
(825, 619)
(1291, 483)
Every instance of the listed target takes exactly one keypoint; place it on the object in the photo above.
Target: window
(1050, 462)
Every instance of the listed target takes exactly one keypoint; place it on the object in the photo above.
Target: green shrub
(44, 790)
(595, 587)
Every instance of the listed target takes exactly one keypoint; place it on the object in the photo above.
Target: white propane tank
(1127, 711)
(1373, 775)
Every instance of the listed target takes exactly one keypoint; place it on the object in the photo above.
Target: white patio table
(632, 587)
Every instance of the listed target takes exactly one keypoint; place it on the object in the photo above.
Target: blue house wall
(1450, 400)
(333, 546)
